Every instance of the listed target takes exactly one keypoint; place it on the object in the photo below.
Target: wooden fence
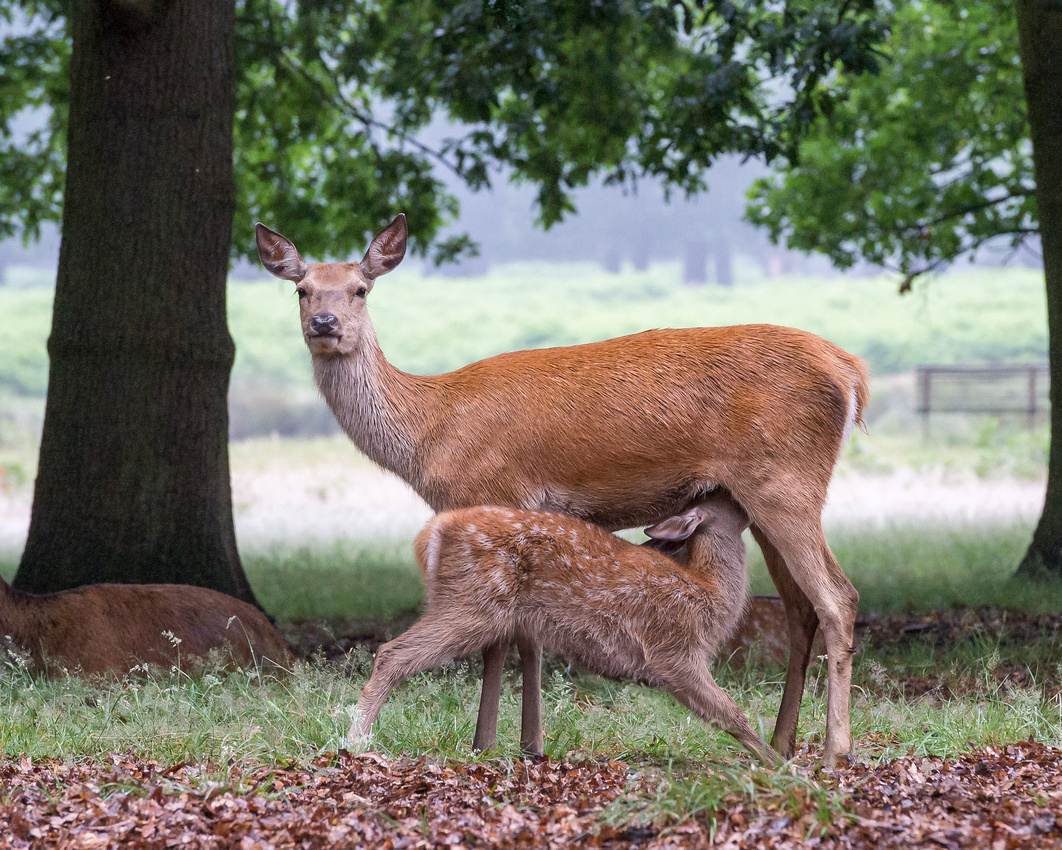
(997, 390)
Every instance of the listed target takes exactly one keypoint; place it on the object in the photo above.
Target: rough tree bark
(133, 480)
(1040, 34)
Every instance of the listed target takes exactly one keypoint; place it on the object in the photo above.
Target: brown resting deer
(107, 629)
(621, 433)
(493, 575)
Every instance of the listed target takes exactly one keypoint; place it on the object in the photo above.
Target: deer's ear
(278, 254)
(386, 250)
(674, 529)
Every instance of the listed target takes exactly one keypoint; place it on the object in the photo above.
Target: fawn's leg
(487, 722)
(426, 644)
(531, 738)
(692, 685)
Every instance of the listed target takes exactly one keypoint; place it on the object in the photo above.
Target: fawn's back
(580, 590)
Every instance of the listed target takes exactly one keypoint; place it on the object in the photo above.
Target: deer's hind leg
(802, 622)
(428, 643)
(691, 683)
(812, 568)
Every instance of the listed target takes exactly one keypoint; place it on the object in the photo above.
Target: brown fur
(621, 433)
(105, 629)
(493, 574)
(762, 634)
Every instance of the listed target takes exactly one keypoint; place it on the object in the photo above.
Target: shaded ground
(1012, 634)
(997, 799)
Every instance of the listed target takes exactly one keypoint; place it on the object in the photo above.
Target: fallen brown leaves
(345, 801)
(998, 799)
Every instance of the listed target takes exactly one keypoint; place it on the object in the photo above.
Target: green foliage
(924, 161)
(34, 92)
(336, 102)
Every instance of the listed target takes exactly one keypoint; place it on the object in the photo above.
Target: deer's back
(625, 430)
(109, 628)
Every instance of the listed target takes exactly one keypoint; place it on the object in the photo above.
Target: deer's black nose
(324, 324)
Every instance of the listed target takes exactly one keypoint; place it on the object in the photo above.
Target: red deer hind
(621, 433)
(107, 629)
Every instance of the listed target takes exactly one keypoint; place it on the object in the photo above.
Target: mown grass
(371, 580)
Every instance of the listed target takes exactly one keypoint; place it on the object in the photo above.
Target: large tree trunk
(133, 481)
(1040, 37)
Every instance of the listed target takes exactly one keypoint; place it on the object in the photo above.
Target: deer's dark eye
(301, 291)
(360, 291)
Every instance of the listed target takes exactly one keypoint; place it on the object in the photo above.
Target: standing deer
(621, 433)
(102, 629)
(492, 574)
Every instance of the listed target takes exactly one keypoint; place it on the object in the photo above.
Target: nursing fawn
(493, 575)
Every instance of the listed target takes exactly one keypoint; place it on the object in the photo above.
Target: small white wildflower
(171, 637)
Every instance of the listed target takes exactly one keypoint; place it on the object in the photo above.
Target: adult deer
(107, 629)
(492, 574)
(621, 433)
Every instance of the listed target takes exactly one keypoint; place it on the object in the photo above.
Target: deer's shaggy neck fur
(382, 409)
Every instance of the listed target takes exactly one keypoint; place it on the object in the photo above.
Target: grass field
(431, 323)
(922, 694)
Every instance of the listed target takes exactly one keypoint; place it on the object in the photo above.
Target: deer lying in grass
(102, 629)
(621, 433)
(492, 574)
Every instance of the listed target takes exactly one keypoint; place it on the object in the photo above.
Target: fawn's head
(332, 295)
(717, 510)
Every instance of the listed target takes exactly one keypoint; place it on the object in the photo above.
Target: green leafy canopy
(924, 161)
(350, 112)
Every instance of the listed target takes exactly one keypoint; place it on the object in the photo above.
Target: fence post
(923, 386)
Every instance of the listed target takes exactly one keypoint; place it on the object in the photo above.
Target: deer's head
(332, 295)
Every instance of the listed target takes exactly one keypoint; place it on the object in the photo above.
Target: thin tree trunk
(133, 481)
(1040, 37)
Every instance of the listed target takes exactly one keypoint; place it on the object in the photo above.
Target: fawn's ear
(386, 250)
(675, 529)
(278, 254)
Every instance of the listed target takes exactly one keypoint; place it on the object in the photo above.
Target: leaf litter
(998, 798)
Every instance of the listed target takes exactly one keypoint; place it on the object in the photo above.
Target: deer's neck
(724, 557)
(383, 410)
